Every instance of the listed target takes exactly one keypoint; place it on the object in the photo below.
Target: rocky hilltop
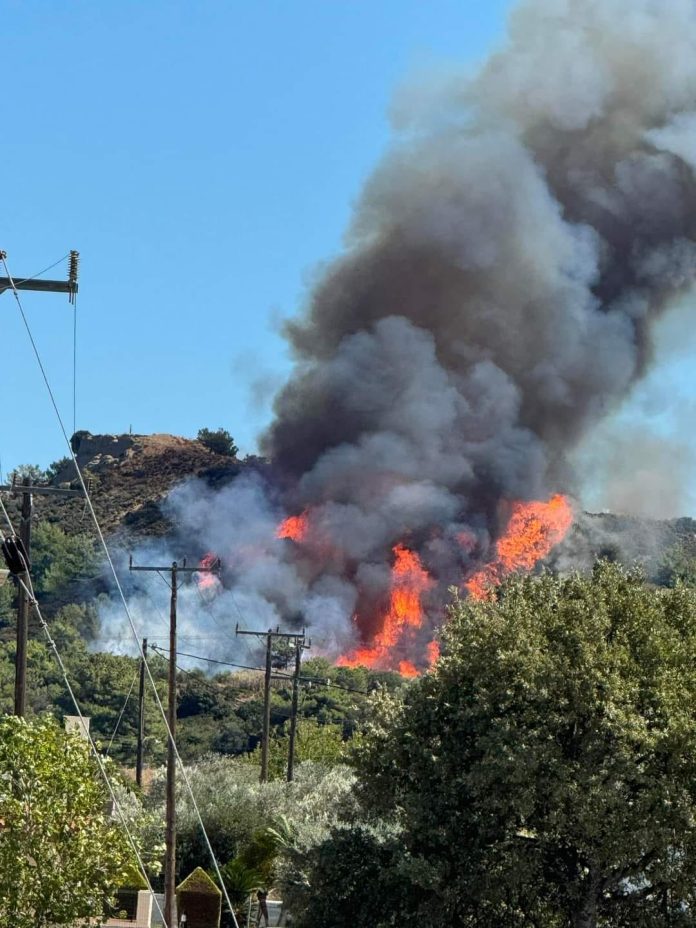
(128, 477)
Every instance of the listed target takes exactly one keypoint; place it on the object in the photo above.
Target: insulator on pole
(73, 273)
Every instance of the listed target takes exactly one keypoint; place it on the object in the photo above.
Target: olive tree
(61, 857)
(545, 772)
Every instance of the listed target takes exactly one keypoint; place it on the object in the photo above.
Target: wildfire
(433, 652)
(294, 527)
(207, 580)
(533, 530)
(410, 581)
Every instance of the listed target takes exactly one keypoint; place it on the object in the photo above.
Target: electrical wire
(119, 587)
(123, 709)
(29, 590)
(286, 676)
(25, 280)
(6, 515)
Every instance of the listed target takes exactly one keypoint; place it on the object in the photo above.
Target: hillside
(129, 476)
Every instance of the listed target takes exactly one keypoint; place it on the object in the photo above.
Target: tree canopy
(61, 858)
(545, 772)
(218, 440)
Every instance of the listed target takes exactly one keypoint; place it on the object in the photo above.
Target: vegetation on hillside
(541, 775)
(218, 440)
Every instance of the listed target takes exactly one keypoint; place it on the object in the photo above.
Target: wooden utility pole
(170, 812)
(69, 286)
(141, 718)
(266, 707)
(20, 691)
(269, 636)
(28, 491)
(293, 709)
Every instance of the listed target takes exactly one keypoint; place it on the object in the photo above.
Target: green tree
(60, 857)
(218, 440)
(57, 467)
(321, 744)
(32, 471)
(58, 558)
(545, 772)
(358, 878)
(679, 563)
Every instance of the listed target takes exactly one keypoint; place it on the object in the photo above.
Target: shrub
(219, 440)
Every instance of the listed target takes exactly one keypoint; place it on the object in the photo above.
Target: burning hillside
(504, 269)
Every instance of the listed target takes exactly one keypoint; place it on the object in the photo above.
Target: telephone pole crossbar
(41, 285)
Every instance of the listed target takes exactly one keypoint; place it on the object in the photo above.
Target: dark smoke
(502, 275)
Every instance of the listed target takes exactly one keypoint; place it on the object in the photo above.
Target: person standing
(262, 897)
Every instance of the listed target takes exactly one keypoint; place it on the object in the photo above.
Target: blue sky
(203, 158)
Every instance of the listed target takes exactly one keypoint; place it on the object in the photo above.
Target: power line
(322, 681)
(26, 280)
(29, 590)
(123, 709)
(119, 587)
(74, 410)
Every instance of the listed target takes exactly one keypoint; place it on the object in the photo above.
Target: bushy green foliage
(545, 772)
(321, 744)
(240, 881)
(235, 807)
(358, 877)
(60, 857)
(218, 440)
(31, 471)
(57, 466)
(679, 563)
(58, 558)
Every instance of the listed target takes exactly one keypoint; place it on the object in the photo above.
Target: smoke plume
(495, 300)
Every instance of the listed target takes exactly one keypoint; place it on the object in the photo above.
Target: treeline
(544, 773)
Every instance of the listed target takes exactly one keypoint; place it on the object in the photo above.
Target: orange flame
(533, 530)
(407, 669)
(294, 527)
(207, 580)
(410, 581)
(433, 652)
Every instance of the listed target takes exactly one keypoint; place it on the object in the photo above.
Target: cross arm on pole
(274, 634)
(18, 488)
(69, 286)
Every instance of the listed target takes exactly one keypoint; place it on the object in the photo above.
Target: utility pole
(269, 636)
(170, 812)
(141, 718)
(20, 691)
(300, 646)
(266, 708)
(70, 287)
(28, 491)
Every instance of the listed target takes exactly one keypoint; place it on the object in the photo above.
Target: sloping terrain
(128, 477)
